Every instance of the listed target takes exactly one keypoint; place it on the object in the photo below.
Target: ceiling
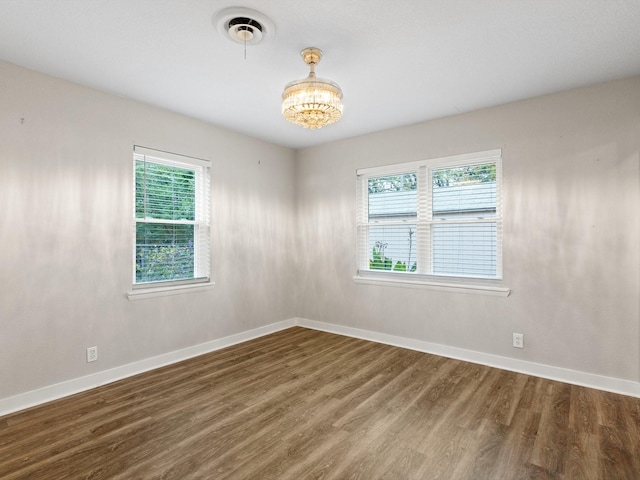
(398, 61)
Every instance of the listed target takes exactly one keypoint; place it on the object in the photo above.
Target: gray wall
(571, 232)
(66, 232)
(283, 232)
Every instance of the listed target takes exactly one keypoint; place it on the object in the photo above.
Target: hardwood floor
(302, 404)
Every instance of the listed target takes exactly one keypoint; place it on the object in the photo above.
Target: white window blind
(439, 217)
(171, 218)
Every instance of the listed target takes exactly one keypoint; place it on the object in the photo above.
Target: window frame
(201, 223)
(423, 276)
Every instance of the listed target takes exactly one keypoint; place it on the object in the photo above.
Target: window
(171, 217)
(432, 219)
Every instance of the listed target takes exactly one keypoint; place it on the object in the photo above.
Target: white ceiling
(397, 61)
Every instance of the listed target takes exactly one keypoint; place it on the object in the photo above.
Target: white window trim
(453, 160)
(141, 291)
(482, 286)
(414, 282)
(165, 291)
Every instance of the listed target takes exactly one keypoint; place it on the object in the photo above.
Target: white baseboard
(77, 385)
(600, 382)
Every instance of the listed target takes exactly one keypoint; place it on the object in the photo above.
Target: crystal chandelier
(312, 102)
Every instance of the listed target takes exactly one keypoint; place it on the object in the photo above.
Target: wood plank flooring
(302, 404)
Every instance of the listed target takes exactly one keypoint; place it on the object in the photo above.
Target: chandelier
(312, 102)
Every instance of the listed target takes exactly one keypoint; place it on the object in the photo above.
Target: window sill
(152, 292)
(492, 290)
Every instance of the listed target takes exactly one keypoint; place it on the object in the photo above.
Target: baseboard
(600, 382)
(77, 385)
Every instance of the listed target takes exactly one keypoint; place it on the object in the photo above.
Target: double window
(171, 216)
(432, 219)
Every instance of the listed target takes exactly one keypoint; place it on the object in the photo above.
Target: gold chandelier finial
(312, 102)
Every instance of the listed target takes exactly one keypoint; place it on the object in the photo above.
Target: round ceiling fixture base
(311, 55)
(244, 25)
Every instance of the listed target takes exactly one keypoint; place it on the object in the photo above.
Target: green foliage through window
(164, 192)
(468, 174)
(164, 250)
(393, 183)
(382, 262)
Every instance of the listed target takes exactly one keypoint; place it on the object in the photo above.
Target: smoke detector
(243, 25)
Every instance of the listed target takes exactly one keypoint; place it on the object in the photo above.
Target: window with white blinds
(171, 218)
(439, 217)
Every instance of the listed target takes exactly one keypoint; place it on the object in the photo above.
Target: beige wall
(571, 232)
(284, 233)
(66, 232)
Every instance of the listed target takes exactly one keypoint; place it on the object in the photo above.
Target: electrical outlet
(518, 340)
(92, 354)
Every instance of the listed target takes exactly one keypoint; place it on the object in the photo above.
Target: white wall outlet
(92, 354)
(518, 340)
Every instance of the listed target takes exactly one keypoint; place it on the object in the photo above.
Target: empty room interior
(320, 239)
